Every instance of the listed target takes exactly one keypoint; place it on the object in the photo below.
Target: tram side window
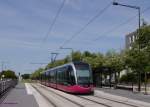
(53, 76)
(61, 75)
(50, 76)
(47, 75)
(65, 76)
(71, 76)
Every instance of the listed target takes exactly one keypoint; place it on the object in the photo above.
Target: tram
(74, 77)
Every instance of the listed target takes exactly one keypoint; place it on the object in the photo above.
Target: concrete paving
(126, 93)
(18, 97)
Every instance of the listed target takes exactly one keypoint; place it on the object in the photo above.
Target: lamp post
(68, 49)
(139, 23)
(3, 76)
(3, 65)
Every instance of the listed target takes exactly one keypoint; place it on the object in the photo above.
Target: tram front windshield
(83, 74)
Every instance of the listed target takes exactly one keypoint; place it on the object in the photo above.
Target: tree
(76, 56)
(25, 76)
(114, 60)
(8, 74)
(144, 38)
(88, 54)
(129, 77)
(56, 63)
(138, 58)
(36, 74)
(95, 60)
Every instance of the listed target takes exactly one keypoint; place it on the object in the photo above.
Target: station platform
(18, 97)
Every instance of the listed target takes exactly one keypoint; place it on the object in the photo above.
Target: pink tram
(74, 77)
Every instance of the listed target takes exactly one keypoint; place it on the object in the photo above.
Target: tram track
(80, 98)
(78, 104)
(45, 97)
(116, 101)
(64, 97)
(92, 99)
(125, 104)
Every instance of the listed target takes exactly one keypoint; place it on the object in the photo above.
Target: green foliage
(56, 63)
(8, 74)
(144, 38)
(25, 76)
(77, 56)
(128, 78)
(36, 74)
(114, 60)
(88, 54)
(95, 60)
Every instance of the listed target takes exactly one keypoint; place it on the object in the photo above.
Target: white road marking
(39, 99)
(28, 89)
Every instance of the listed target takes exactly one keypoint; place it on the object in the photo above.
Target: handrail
(5, 85)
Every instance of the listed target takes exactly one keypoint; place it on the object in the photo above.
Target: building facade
(130, 39)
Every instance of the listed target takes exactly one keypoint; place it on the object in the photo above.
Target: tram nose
(85, 85)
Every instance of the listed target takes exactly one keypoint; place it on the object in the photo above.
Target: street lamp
(68, 49)
(3, 76)
(3, 65)
(139, 23)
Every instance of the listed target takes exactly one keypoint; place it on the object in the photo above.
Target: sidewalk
(18, 97)
(126, 93)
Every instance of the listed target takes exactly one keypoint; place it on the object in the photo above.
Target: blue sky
(25, 23)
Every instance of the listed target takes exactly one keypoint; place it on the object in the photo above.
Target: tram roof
(70, 63)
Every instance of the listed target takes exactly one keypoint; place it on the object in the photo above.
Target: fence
(5, 85)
